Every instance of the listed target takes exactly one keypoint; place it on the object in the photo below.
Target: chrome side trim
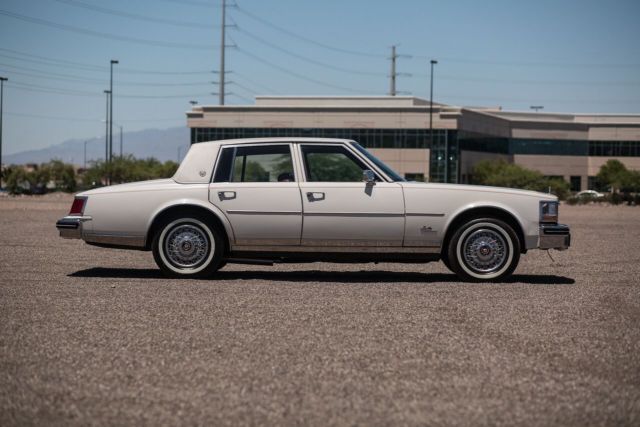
(355, 214)
(334, 249)
(115, 239)
(531, 242)
(267, 242)
(252, 212)
(359, 243)
(425, 214)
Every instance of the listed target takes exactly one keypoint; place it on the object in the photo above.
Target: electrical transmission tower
(394, 74)
(222, 73)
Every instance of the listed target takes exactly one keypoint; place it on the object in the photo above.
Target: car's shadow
(321, 276)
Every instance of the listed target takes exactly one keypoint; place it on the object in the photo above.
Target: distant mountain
(159, 143)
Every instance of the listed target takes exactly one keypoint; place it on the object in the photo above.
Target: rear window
(264, 163)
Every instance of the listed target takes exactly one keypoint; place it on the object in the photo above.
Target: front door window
(331, 163)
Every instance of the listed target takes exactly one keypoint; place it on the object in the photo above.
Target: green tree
(500, 173)
(16, 180)
(614, 174)
(62, 174)
(127, 169)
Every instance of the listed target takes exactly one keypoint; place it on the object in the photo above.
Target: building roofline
(277, 139)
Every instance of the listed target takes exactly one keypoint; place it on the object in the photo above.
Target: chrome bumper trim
(70, 227)
(554, 236)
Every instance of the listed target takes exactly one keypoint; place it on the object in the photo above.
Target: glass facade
(553, 147)
(443, 143)
(368, 138)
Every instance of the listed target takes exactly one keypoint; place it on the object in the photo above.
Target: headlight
(549, 212)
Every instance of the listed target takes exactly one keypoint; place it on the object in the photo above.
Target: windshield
(386, 169)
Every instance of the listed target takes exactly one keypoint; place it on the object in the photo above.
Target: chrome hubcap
(485, 251)
(186, 246)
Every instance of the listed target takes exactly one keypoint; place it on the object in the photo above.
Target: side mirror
(368, 176)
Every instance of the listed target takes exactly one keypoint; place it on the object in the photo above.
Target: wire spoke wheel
(484, 251)
(186, 246)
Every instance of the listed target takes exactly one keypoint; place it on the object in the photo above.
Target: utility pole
(121, 142)
(2, 80)
(446, 154)
(113, 61)
(392, 89)
(84, 164)
(106, 132)
(394, 74)
(222, 52)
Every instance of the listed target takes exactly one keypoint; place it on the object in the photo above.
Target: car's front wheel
(187, 247)
(485, 249)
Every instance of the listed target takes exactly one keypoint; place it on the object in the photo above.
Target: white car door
(339, 208)
(255, 186)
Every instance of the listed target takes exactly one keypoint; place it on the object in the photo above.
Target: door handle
(315, 196)
(226, 195)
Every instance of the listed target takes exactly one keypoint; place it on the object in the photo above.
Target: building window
(575, 183)
(419, 177)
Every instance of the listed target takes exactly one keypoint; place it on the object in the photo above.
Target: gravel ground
(97, 336)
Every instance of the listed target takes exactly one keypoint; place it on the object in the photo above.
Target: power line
(78, 119)
(538, 82)
(304, 58)
(84, 80)
(101, 34)
(193, 3)
(92, 67)
(306, 39)
(533, 64)
(300, 76)
(74, 92)
(188, 24)
(255, 83)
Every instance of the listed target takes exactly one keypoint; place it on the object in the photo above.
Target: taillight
(77, 207)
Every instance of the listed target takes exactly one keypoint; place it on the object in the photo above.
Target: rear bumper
(554, 236)
(70, 227)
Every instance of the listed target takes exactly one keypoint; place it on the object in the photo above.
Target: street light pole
(2, 80)
(113, 61)
(106, 135)
(121, 142)
(434, 62)
(84, 165)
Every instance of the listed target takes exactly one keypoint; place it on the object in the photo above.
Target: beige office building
(398, 130)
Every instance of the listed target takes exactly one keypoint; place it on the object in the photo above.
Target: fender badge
(202, 173)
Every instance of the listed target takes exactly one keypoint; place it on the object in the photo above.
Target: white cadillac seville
(302, 200)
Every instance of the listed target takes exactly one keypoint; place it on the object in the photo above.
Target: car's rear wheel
(187, 247)
(485, 249)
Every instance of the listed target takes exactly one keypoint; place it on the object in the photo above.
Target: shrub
(500, 173)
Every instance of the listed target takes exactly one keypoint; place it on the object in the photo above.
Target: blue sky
(569, 56)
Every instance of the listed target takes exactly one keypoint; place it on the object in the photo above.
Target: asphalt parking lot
(98, 336)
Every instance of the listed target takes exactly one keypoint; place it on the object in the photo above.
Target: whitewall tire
(485, 249)
(187, 247)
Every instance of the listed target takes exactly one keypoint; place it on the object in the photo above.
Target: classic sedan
(304, 200)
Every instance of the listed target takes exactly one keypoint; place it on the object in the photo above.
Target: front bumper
(70, 227)
(554, 236)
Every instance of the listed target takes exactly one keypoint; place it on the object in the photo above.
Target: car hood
(478, 189)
